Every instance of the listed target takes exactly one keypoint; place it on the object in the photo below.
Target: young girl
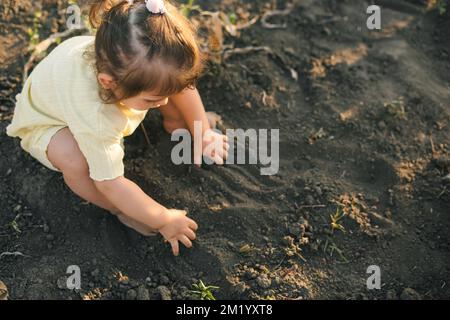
(90, 92)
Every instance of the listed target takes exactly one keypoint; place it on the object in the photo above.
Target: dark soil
(345, 143)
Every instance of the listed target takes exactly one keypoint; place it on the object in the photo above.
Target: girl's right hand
(178, 228)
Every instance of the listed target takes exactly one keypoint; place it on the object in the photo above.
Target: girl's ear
(106, 81)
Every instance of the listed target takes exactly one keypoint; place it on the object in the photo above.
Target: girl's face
(144, 101)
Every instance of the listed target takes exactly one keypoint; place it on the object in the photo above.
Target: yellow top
(63, 91)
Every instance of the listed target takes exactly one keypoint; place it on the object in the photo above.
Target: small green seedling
(334, 248)
(246, 249)
(440, 5)
(330, 247)
(232, 18)
(335, 220)
(187, 8)
(33, 33)
(203, 292)
(396, 108)
(15, 225)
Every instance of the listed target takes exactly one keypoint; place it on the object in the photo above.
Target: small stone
(46, 228)
(391, 295)
(133, 283)
(131, 294)
(443, 162)
(164, 293)
(410, 294)
(264, 282)
(108, 295)
(381, 125)
(294, 229)
(240, 287)
(3, 291)
(95, 273)
(250, 274)
(318, 191)
(62, 283)
(164, 280)
(309, 200)
(184, 291)
(446, 179)
(50, 237)
(142, 293)
(277, 280)
(287, 241)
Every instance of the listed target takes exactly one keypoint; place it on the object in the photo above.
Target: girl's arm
(126, 196)
(190, 104)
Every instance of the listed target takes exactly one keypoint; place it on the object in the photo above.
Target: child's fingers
(223, 153)
(190, 234)
(198, 160)
(175, 247)
(185, 240)
(193, 225)
(218, 159)
(184, 212)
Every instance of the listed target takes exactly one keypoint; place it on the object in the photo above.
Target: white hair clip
(155, 6)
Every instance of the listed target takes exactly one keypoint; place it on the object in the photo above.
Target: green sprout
(330, 247)
(335, 220)
(233, 18)
(334, 248)
(442, 7)
(203, 291)
(33, 33)
(396, 108)
(188, 7)
(15, 225)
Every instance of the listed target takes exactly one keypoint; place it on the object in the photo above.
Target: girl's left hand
(214, 146)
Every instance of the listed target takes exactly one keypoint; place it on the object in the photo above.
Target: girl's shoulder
(77, 40)
(75, 45)
(69, 54)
